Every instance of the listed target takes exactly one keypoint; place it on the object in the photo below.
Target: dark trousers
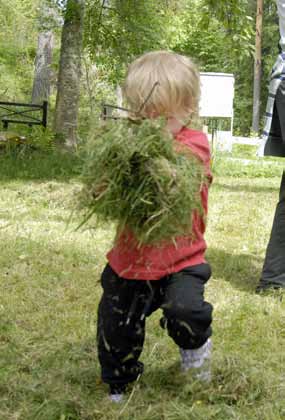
(126, 303)
(273, 272)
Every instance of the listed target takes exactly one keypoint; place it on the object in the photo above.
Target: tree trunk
(257, 68)
(41, 85)
(67, 100)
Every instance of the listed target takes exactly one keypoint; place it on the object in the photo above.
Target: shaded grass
(49, 276)
(23, 164)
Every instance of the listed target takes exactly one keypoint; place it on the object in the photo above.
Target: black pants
(124, 306)
(273, 272)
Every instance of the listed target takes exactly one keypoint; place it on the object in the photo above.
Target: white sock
(195, 358)
(116, 398)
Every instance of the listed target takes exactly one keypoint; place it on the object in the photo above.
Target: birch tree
(48, 19)
(41, 83)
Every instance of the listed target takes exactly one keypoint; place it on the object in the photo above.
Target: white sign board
(217, 95)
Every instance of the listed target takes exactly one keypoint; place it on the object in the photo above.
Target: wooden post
(257, 68)
(45, 108)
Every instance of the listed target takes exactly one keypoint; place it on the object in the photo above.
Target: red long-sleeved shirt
(149, 262)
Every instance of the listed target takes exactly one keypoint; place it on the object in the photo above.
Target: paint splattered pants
(126, 303)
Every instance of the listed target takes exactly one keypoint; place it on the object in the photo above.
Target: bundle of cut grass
(134, 175)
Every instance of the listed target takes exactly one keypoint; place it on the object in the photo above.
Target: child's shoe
(117, 393)
(116, 398)
(198, 361)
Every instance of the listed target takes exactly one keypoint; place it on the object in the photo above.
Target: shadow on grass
(249, 187)
(242, 271)
(39, 166)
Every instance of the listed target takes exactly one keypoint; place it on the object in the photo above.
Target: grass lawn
(49, 276)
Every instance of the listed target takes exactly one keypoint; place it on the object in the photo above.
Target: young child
(140, 279)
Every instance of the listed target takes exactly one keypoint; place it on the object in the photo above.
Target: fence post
(104, 112)
(45, 108)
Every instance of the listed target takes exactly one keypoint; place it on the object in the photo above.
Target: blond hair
(163, 83)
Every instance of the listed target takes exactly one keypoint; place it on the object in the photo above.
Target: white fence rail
(251, 141)
(224, 140)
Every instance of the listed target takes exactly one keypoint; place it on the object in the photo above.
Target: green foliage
(116, 31)
(218, 39)
(17, 48)
(236, 52)
(41, 138)
(30, 139)
(218, 35)
(134, 176)
(232, 13)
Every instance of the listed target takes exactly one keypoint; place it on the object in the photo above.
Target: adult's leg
(120, 331)
(187, 315)
(273, 272)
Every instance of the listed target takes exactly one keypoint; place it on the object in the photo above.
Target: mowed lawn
(49, 275)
